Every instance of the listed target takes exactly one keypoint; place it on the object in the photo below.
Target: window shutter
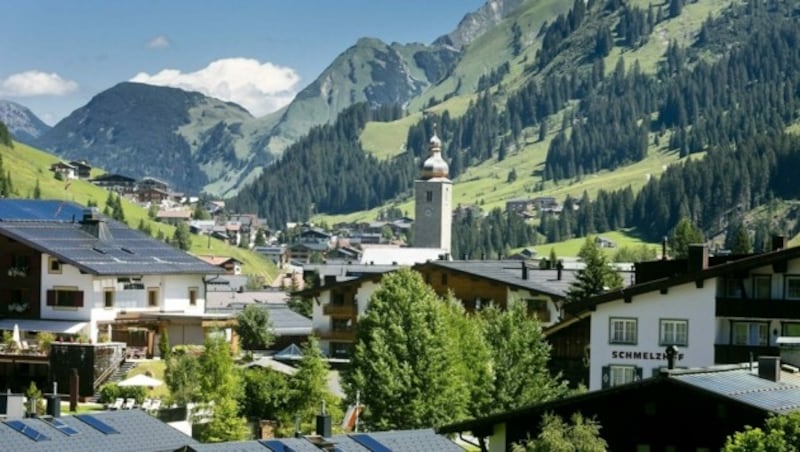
(51, 298)
(77, 298)
(605, 374)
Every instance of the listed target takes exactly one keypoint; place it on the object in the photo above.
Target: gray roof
(138, 431)
(396, 441)
(285, 322)
(117, 250)
(510, 272)
(745, 386)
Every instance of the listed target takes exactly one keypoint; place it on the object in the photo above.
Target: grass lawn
(156, 368)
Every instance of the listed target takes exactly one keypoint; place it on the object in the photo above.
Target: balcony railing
(757, 309)
(341, 335)
(342, 310)
(733, 354)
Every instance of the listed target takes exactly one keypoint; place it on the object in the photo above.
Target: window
(792, 288)
(152, 296)
(762, 287)
(193, 296)
(733, 287)
(341, 350)
(674, 332)
(614, 375)
(65, 297)
(790, 329)
(108, 298)
(750, 333)
(444, 279)
(54, 266)
(341, 324)
(622, 331)
(429, 196)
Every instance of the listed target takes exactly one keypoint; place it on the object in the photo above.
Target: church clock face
(428, 211)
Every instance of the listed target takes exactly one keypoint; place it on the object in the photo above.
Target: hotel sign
(654, 356)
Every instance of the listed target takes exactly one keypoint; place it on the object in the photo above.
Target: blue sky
(57, 54)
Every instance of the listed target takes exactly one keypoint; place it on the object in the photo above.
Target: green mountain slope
(29, 168)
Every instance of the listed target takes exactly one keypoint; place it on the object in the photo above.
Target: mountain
(184, 138)
(21, 122)
(474, 24)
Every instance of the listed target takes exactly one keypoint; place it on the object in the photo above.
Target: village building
(82, 167)
(116, 182)
(433, 202)
(66, 170)
(715, 310)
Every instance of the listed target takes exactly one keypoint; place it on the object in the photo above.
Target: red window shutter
(77, 298)
(51, 298)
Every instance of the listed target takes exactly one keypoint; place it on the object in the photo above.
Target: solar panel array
(370, 443)
(59, 425)
(27, 430)
(99, 425)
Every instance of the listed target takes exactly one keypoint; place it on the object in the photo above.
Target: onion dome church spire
(435, 165)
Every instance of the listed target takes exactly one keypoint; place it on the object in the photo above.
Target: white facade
(646, 351)
(106, 296)
(322, 323)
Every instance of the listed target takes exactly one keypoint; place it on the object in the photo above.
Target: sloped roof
(395, 255)
(509, 272)
(291, 352)
(127, 251)
(137, 431)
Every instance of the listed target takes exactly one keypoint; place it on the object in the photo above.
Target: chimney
(672, 353)
(778, 242)
(54, 402)
(698, 257)
(769, 368)
(559, 267)
(95, 225)
(324, 423)
(524, 270)
(12, 405)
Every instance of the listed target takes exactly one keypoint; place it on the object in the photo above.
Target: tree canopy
(684, 234)
(254, 328)
(781, 433)
(556, 435)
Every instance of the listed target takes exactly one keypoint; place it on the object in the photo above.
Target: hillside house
(519, 205)
(231, 265)
(66, 170)
(174, 216)
(83, 168)
(152, 195)
(115, 182)
(151, 182)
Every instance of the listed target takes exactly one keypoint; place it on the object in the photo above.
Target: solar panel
(276, 446)
(60, 426)
(370, 443)
(99, 425)
(27, 430)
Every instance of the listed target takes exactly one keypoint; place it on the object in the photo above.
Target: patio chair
(117, 405)
(146, 404)
(129, 404)
(155, 405)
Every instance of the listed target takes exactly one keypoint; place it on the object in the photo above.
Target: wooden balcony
(346, 335)
(757, 309)
(339, 310)
(734, 354)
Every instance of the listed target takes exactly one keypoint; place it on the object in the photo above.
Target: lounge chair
(117, 405)
(146, 404)
(129, 404)
(155, 405)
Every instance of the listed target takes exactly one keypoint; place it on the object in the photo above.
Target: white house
(69, 270)
(719, 311)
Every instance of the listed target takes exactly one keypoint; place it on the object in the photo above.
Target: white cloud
(261, 88)
(36, 83)
(159, 42)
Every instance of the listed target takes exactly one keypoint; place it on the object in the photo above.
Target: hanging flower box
(19, 272)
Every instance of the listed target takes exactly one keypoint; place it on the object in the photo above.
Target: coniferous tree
(684, 234)
(596, 277)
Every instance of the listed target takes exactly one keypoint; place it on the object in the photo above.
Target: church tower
(433, 195)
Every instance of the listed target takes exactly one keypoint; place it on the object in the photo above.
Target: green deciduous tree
(254, 328)
(684, 234)
(163, 345)
(596, 277)
(405, 359)
(519, 356)
(220, 383)
(182, 376)
(556, 435)
(265, 394)
(780, 434)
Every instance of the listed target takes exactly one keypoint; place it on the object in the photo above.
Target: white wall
(681, 302)
(321, 323)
